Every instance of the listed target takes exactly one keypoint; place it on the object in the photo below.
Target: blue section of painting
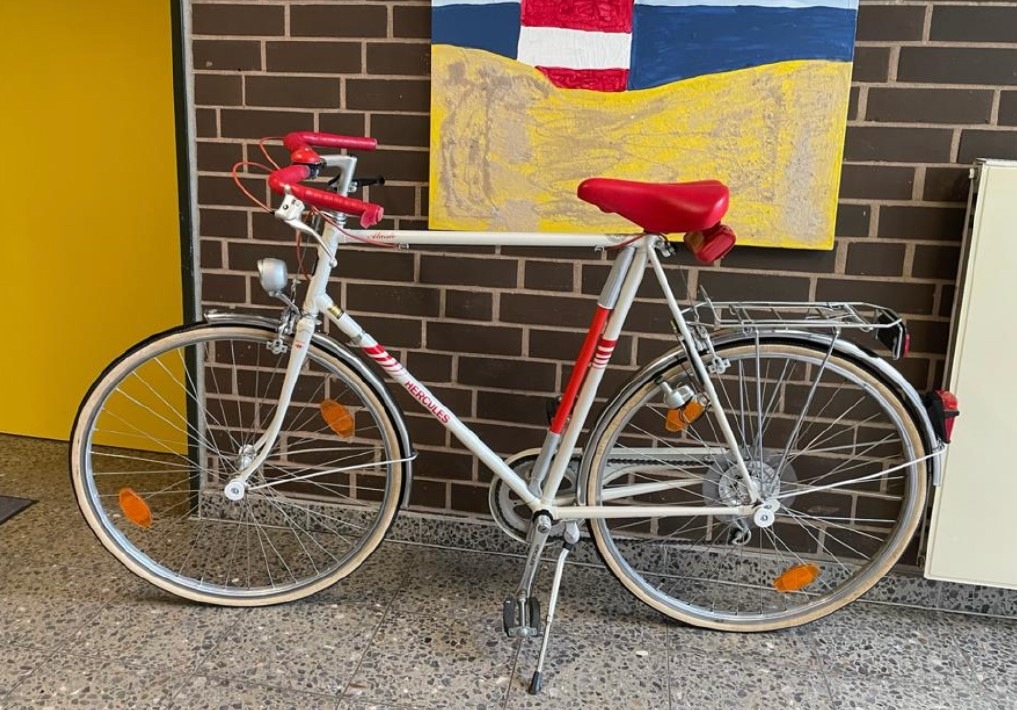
(491, 27)
(674, 43)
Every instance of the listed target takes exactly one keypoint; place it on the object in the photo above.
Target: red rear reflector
(951, 411)
(711, 244)
(942, 408)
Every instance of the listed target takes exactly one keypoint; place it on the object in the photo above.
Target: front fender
(346, 356)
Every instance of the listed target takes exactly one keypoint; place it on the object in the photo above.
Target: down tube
(395, 370)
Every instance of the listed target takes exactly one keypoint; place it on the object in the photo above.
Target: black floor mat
(9, 507)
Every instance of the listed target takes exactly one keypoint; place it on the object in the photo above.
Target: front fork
(251, 457)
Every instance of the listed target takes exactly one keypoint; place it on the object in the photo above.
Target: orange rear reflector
(337, 417)
(797, 578)
(678, 419)
(135, 509)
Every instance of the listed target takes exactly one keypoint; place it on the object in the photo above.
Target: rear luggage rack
(754, 316)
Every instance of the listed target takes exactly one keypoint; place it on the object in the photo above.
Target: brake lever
(291, 212)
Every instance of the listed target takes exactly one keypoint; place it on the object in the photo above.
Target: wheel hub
(235, 490)
(724, 485)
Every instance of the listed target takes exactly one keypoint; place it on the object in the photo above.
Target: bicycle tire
(177, 411)
(699, 570)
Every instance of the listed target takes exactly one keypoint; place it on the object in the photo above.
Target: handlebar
(306, 161)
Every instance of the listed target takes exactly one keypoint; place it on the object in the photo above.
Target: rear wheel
(167, 427)
(833, 449)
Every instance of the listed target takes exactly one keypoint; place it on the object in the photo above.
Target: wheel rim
(698, 569)
(171, 427)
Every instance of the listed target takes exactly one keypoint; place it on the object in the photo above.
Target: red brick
(237, 19)
(221, 54)
(411, 21)
(398, 58)
(345, 19)
(463, 271)
(313, 57)
(412, 95)
(218, 90)
(292, 91)
(548, 275)
(468, 338)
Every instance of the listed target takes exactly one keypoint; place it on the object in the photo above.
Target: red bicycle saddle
(660, 207)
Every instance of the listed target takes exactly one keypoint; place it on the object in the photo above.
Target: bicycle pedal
(521, 621)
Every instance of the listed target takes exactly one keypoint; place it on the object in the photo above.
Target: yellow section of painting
(774, 134)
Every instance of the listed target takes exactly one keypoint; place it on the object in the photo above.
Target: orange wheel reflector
(337, 417)
(678, 419)
(797, 578)
(135, 508)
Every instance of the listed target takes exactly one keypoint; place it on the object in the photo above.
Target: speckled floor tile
(83, 682)
(43, 536)
(76, 629)
(34, 468)
(592, 600)
(876, 640)
(376, 581)
(435, 662)
(154, 629)
(978, 600)
(456, 583)
(44, 607)
(204, 692)
(860, 693)
(304, 647)
(906, 589)
(614, 669)
(990, 646)
(16, 664)
(744, 681)
(784, 645)
(469, 535)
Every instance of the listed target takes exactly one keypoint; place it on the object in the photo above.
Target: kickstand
(571, 537)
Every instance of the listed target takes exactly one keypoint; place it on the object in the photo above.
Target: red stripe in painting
(593, 79)
(589, 15)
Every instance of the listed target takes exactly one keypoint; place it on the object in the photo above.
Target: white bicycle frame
(616, 299)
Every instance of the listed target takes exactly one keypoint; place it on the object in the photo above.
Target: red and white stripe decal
(387, 362)
(603, 353)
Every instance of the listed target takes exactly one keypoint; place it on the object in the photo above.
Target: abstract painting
(530, 97)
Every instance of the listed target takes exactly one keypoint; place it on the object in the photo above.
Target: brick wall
(935, 86)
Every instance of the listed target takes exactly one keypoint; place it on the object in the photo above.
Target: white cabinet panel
(972, 537)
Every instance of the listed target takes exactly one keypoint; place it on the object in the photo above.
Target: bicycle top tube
(693, 208)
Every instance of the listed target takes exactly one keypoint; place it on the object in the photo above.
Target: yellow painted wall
(91, 256)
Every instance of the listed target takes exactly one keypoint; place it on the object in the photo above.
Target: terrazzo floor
(419, 627)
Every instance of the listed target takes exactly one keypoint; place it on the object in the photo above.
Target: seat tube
(605, 304)
(616, 299)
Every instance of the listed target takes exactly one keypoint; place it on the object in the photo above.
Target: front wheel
(832, 449)
(166, 428)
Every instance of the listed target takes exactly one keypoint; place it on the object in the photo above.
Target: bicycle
(761, 474)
